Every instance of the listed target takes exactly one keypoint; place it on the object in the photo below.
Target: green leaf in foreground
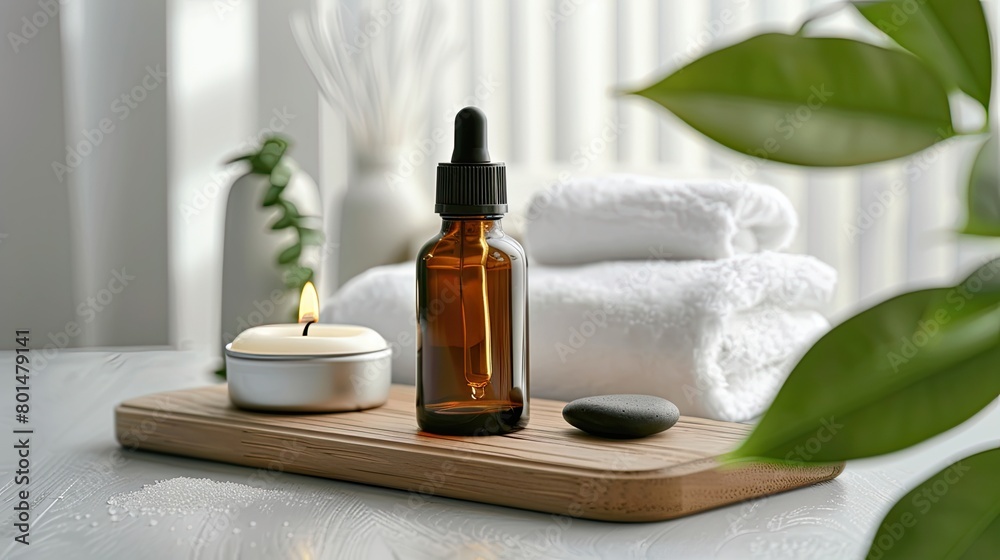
(953, 514)
(894, 375)
(949, 35)
(810, 101)
(983, 194)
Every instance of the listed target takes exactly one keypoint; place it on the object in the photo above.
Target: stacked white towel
(716, 337)
(627, 216)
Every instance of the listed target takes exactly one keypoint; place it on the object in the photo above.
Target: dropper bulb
(470, 137)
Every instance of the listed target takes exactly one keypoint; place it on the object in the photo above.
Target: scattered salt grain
(185, 496)
(152, 522)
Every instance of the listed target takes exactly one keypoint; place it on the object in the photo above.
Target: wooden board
(549, 466)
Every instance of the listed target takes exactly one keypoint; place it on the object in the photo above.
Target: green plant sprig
(269, 161)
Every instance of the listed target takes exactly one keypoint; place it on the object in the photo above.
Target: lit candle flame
(309, 304)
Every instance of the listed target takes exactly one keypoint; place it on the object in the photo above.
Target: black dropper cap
(471, 185)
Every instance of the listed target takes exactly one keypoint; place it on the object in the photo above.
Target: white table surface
(77, 466)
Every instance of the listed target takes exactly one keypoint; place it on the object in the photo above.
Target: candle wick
(305, 331)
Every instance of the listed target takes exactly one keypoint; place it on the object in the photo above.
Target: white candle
(286, 340)
(307, 338)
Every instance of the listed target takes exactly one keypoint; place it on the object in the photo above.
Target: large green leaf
(949, 35)
(983, 194)
(953, 514)
(810, 101)
(892, 376)
(980, 291)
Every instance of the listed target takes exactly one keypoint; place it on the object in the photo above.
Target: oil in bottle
(472, 313)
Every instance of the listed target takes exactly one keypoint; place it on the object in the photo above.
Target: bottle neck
(484, 224)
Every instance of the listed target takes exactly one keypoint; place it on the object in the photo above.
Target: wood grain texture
(549, 467)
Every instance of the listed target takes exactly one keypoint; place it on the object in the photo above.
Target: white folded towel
(715, 337)
(626, 216)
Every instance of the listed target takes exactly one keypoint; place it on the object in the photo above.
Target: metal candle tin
(355, 375)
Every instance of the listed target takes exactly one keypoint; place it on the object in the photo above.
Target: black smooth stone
(621, 416)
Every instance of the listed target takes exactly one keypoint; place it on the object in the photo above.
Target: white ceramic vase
(380, 213)
(253, 288)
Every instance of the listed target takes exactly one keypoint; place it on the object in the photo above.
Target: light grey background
(542, 71)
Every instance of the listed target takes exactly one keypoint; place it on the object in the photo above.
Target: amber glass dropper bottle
(472, 309)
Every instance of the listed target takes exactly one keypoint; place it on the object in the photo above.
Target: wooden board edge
(607, 496)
